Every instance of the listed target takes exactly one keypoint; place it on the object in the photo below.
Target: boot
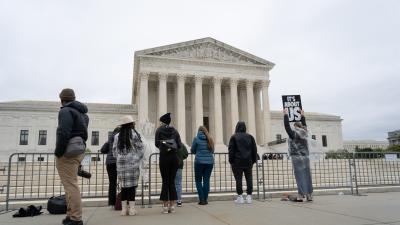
(124, 211)
(132, 211)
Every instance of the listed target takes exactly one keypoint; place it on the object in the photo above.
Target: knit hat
(67, 94)
(166, 118)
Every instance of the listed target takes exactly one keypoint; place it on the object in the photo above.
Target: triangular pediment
(207, 49)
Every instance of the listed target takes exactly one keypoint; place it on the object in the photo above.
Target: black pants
(238, 173)
(168, 167)
(128, 194)
(112, 183)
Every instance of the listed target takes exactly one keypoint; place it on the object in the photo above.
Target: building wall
(13, 121)
(351, 145)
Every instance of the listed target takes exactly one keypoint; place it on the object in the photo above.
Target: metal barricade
(33, 176)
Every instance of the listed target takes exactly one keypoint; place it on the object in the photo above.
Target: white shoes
(132, 211)
(239, 199)
(249, 199)
(172, 209)
(124, 211)
(165, 209)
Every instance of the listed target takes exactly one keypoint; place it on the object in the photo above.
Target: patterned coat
(129, 161)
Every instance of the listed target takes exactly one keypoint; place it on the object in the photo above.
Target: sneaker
(299, 198)
(179, 203)
(239, 199)
(309, 198)
(172, 209)
(165, 210)
(66, 220)
(73, 222)
(249, 199)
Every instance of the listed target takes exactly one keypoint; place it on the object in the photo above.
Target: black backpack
(57, 205)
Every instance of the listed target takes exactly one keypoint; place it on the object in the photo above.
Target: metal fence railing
(32, 176)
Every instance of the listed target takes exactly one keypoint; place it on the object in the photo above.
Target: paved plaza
(377, 208)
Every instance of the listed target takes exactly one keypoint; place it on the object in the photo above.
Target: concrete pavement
(373, 209)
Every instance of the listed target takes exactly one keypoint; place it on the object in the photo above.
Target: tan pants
(67, 170)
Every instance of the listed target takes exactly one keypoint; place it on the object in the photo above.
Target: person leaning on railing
(299, 153)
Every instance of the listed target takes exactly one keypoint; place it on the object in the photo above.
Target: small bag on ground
(57, 205)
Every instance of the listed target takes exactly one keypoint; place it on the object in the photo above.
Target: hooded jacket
(72, 122)
(200, 148)
(242, 148)
(166, 132)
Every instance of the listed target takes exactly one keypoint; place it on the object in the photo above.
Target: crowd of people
(125, 150)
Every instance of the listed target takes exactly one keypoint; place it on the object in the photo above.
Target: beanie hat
(166, 118)
(67, 94)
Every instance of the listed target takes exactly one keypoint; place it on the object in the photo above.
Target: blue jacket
(200, 148)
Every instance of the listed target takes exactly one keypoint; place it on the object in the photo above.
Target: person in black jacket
(299, 153)
(242, 155)
(111, 165)
(168, 140)
(72, 122)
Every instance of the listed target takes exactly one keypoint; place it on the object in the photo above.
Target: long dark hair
(210, 141)
(125, 134)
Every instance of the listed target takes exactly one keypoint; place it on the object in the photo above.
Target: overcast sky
(342, 56)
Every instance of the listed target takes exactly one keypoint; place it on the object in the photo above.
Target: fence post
(351, 175)
(142, 193)
(263, 175)
(355, 173)
(9, 181)
(150, 180)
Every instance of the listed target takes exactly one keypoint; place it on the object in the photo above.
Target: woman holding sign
(299, 153)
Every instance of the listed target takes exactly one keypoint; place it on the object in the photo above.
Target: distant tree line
(363, 153)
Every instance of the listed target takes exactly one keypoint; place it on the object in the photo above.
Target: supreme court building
(201, 82)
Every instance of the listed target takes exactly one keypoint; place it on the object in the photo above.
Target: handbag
(118, 204)
(57, 205)
(76, 146)
(170, 143)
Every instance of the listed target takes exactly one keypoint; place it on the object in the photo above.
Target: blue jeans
(178, 184)
(202, 174)
(302, 173)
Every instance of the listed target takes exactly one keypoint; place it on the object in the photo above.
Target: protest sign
(293, 104)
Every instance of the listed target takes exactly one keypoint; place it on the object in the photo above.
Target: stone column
(162, 94)
(218, 111)
(266, 113)
(234, 103)
(198, 101)
(259, 126)
(250, 108)
(181, 107)
(143, 98)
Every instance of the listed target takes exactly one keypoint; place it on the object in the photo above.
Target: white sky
(342, 56)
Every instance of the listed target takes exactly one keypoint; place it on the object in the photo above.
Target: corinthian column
(143, 97)
(198, 101)
(218, 111)
(234, 104)
(162, 94)
(266, 113)
(181, 106)
(250, 108)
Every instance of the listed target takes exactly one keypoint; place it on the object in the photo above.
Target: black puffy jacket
(72, 122)
(242, 148)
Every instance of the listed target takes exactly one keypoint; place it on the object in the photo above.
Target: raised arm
(303, 119)
(289, 130)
